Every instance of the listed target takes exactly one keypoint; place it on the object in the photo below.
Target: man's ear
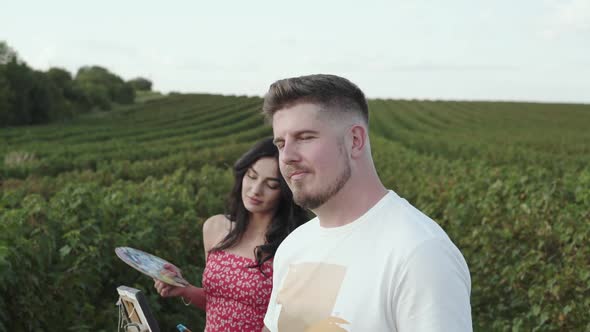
(358, 135)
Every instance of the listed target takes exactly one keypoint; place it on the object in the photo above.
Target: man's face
(312, 154)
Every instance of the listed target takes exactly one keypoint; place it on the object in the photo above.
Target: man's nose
(289, 154)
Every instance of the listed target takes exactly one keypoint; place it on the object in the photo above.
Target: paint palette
(149, 264)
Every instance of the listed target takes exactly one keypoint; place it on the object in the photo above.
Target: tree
(48, 101)
(141, 84)
(29, 97)
(6, 96)
(124, 94)
(20, 80)
(75, 98)
(7, 54)
(60, 77)
(95, 79)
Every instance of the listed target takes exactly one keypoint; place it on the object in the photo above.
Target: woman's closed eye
(251, 175)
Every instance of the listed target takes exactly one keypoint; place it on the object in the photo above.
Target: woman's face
(260, 186)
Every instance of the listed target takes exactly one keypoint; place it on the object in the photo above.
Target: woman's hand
(166, 290)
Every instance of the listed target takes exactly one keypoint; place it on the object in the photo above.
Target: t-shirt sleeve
(434, 290)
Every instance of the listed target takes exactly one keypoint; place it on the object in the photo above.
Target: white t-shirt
(392, 269)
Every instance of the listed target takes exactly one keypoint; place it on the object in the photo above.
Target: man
(369, 261)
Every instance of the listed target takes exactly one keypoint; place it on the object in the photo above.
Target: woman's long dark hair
(288, 215)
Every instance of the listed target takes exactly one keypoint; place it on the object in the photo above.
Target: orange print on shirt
(307, 298)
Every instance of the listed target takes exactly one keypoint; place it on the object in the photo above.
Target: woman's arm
(195, 296)
(190, 294)
(214, 230)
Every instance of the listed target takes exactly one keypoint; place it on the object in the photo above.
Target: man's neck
(351, 202)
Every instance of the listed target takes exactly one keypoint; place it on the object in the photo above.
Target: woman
(239, 246)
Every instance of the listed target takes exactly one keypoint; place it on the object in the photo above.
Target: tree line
(29, 96)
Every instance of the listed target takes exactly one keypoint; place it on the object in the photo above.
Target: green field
(509, 182)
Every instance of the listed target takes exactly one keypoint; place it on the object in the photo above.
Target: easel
(134, 312)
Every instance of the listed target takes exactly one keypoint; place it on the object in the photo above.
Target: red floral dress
(237, 296)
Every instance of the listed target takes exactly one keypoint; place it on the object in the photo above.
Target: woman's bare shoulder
(215, 229)
(216, 223)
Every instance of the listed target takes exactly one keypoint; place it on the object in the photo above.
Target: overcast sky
(530, 50)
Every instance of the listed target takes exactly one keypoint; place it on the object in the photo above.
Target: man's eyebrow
(306, 131)
(297, 133)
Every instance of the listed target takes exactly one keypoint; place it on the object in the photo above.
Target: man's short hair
(333, 93)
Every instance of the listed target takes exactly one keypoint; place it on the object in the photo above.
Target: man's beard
(312, 201)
